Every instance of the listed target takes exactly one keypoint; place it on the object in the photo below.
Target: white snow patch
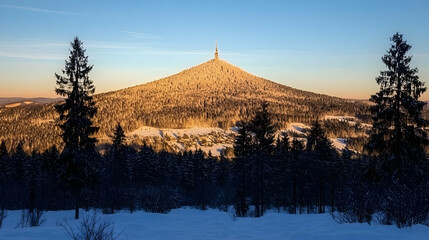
(235, 129)
(297, 127)
(341, 118)
(349, 119)
(12, 105)
(162, 132)
(216, 149)
(212, 224)
(339, 143)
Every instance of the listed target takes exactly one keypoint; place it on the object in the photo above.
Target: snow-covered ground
(219, 138)
(339, 143)
(297, 127)
(188, 224)
(349, 119)
(162, 132)
(341, 118)
(216, 148)
(300, 128)
(18, 104)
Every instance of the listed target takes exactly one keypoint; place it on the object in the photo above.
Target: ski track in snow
(188, 223)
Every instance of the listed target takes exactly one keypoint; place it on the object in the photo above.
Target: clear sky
(331, 47)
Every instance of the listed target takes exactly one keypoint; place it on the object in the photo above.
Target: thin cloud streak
(147, 51)
(42, 10)
(107, 45)
(421, 55)
(139, 35)
(52, 50)
(33, 45)
(33, 56)
(89, 44)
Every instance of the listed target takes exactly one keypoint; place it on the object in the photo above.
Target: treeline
(267, 173)
(344, 129)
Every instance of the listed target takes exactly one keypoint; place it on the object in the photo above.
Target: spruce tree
(282, 144)
(297, 145)
(320, 155)
(3, 149)
(243, 141)
(398, 129)
(280, 169)
(264, 129)
(242, 150)
(187, 177)
(148, 168)
(50, 182)
(50, 160)
(261, 163)
(319, 144)
(18, 160)
(17, 167)
(3, 155)
(203, 176)
(295, 165)
(33, 175)
(75, 117)
(118, 161)
(118, 137)
(398, 139)
(3, 173)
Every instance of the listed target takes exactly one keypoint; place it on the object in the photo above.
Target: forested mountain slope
(212, 94)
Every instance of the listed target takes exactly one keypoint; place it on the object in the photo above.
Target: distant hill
(212, 94)
(19, 101)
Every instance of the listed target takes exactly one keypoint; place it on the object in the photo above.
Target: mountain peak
(215, 93)
(212, 94)
(210, 75)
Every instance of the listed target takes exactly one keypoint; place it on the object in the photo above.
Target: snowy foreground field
(212, 224)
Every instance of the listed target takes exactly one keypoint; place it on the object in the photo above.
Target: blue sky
(331, 47)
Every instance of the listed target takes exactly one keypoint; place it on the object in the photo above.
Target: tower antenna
(216, 53)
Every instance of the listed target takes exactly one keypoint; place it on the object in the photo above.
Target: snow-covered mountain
(212, 94)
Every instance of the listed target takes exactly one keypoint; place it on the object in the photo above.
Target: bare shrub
(362, 202)
(31, 218)
(91, 227)
(405, 205)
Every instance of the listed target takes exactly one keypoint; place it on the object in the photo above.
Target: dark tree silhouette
(118, 158)
(3, 173)
(75, 117)
(316, 136)
(263, 128)
(398, 128)
(3, 155)
(399, 139)
(242, 151)
(118, 137)
(260, 160)
(321, 155)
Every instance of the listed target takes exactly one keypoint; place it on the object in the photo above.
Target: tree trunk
(76, 212)
(76, 208)
(294, 195)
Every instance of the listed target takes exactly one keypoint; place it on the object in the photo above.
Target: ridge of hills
(18, 101)
(212, 94)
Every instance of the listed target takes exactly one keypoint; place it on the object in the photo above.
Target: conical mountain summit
(212, 94)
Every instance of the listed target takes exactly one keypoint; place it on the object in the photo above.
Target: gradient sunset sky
(330, 47)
